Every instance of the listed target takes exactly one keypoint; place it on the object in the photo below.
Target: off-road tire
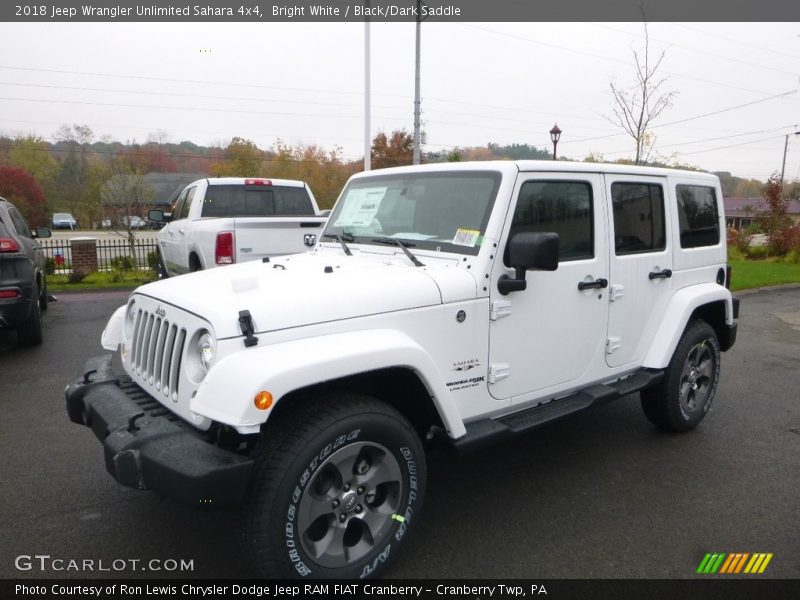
(43, 299)
(682, 398)
(312, 510)
(29, 333)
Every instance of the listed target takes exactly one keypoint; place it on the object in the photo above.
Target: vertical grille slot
(141, 368)
(176, 364)
(159, 356)
(166, 361)
(151, 351)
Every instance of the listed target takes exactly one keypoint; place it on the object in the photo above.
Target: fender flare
(226, 394)
(673, 323)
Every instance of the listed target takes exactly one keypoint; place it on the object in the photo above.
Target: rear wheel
(43, 296)
(336, 486)
(681, 400)
(30, 332)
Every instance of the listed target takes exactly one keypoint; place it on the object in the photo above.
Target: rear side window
(638, 217)
(19, 223)
(697, 216)
(256, 201)
(562, 207)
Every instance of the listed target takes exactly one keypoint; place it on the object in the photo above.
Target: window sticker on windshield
(360, 207)
(466, 237)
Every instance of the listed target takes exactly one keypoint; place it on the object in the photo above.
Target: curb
(783, 286)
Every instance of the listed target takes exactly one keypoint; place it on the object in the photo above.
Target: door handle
(663, 274)
(596, 284)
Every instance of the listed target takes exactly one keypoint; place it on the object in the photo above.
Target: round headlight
(205, 350)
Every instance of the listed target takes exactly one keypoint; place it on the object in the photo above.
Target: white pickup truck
(226, 220)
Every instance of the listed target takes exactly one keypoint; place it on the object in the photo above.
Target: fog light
(263, 400)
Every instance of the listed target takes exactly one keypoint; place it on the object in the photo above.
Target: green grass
(762, 273)
(101, 281)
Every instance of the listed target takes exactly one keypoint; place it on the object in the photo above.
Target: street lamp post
(785, 147)
(555, 135)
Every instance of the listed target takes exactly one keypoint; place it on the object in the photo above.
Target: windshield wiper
(403, 246)
(341, 239)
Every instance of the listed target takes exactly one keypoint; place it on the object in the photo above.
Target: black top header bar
(341, 11)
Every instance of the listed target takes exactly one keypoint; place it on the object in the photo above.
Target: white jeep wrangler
(462, 303)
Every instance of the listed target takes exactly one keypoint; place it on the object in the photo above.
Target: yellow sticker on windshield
(466, 237)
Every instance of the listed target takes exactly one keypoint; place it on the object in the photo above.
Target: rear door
(641, 264)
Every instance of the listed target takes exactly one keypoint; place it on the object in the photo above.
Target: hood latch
(246, 324)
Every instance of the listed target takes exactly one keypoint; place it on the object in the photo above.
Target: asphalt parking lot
(601, 494)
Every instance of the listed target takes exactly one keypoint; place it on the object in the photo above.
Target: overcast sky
(481, 82)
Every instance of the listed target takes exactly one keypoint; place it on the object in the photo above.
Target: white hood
(304, 289)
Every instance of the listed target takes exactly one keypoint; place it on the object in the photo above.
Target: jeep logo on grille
(161, 312)
(310, 239)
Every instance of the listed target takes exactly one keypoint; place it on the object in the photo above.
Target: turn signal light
(263, 400)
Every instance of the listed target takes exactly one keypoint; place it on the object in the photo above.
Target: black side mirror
(157, 215)
(41, 232)
(529, 251)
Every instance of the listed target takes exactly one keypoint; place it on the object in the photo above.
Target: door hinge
(499, 371)
(613, 344)
(616, 292)
(500, 309)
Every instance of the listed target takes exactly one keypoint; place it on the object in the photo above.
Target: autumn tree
(125, 194)
(638, 105)
(774, 218)
(242, 159)
(393, 151)
(19, 187)
(77, 140)
(323, 170)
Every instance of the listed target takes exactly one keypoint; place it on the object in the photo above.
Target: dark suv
(23, 287)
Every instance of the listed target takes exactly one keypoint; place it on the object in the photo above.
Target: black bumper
(148, 447)
(727, 337)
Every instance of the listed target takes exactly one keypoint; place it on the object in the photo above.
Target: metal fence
(111, 254)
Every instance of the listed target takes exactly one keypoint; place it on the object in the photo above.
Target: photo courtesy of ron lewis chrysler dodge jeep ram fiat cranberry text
(456, 303)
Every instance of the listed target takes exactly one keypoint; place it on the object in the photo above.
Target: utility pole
(785, 148)
(416, 90)
(367, 126)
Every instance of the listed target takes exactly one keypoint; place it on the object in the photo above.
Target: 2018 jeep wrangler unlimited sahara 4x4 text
(462, 302)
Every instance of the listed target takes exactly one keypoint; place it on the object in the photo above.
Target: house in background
(740, 213)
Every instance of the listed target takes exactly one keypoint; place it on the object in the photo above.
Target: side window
(19, 223)
(638, 217)
(187, 204)
(697, 216)
(178, 208)
(563, 207)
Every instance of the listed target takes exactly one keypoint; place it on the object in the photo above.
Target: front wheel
(681, 400)
(336, 486)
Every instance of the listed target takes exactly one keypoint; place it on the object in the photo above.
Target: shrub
(77, 276)
(735, 254)
(792, 257)
(122, 263)
(738, 239)
(757, 252)
(152, 260)
(50, 266)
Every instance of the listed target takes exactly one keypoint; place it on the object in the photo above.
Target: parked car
(64, 221)
(134, 222)
(457, 303)
(23, 284)
(229, 220)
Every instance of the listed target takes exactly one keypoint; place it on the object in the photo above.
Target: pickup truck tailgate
(274, 236)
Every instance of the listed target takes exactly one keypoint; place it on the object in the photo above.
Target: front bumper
(148, 447)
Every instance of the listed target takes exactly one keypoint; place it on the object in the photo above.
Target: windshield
(446, 212)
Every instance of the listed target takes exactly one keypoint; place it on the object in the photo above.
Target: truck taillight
(8, 245)
(257, 182)
(6, 294)
(223, 252)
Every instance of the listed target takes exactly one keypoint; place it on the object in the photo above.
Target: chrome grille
(156, 352)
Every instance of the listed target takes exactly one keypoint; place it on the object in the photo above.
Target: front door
(641, 265)
(547, 338)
